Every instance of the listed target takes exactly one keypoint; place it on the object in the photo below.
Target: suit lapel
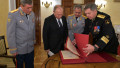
(55, 21)
(63, 21)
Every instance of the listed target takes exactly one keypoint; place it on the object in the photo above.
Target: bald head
(58, 11)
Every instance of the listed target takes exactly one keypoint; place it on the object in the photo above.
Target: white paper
(69, 55)
(71, 47)
(50, 53)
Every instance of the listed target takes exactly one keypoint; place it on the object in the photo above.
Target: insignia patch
(107, 36)
(73, 17)
(97, 29)
(104, 39)
(80, 18)
(107, 21)
(71, 20)
(83, 23)
(21, 21)
(9, 20)
(74, 25)
(21, 13)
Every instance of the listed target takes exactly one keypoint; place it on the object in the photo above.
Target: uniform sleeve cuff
(101, 44)
(12, 51)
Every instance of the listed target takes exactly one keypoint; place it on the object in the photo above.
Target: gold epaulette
(70, 14)
(14, 10)
(84, 16)
(101, 16)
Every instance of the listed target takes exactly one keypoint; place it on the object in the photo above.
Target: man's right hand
(14, 54)
(47, 50)
(74, 42)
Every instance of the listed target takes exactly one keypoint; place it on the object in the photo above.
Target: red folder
(81, 41)
(74, 55)
(92, 58)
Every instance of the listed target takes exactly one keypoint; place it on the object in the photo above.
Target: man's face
(58, 13)
(27, 8)
(77, 12)
(91, 14)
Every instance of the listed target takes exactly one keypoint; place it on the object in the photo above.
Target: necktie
(60, 23)
(27, 16)
(76, 19)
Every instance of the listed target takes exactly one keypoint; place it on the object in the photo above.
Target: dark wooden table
(3, 66)
(55, 62)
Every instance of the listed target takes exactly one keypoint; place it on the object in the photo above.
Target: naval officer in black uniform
(100, 26)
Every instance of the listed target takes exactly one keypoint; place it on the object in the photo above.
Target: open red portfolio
(76, 55)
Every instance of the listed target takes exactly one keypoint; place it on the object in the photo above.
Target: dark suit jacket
(53, 36)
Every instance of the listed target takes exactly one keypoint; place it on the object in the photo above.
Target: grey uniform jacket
(20, 32)
(75, 26)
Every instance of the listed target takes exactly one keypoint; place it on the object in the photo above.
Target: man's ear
(95, 11)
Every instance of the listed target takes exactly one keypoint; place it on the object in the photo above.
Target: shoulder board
(70, 14)
(14, 10)
(101, 16)
(84, 16)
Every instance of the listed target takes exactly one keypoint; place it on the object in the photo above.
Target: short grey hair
(77, 6)
(92, 6)
(57, 6)
(23, 2)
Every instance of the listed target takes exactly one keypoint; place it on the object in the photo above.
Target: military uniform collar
(95, 16)
(78, 17)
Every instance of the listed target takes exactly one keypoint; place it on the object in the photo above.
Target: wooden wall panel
(37, 11)
(17, 3)
(88, 1)
(68, 7)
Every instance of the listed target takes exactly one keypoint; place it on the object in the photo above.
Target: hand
(74, 42)
(14, 54)
(89, 49)
(47, 50)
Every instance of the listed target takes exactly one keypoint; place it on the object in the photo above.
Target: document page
(71, 47)
(69, 55)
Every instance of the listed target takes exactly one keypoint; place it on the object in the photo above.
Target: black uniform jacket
(54, 37)
(102, 32)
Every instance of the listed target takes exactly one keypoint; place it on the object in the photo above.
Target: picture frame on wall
(116, 0)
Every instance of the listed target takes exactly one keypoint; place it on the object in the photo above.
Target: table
(55, 62)
(3, 66)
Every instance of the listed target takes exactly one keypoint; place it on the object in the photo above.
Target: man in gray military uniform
(21, 34)
(75, 22)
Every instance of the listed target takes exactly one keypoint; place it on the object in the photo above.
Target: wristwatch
(95, 48)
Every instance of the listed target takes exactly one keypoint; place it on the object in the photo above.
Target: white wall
(113, 9)
(45, 12)
(12, 5)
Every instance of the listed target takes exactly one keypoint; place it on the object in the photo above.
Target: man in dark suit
(55, 31)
